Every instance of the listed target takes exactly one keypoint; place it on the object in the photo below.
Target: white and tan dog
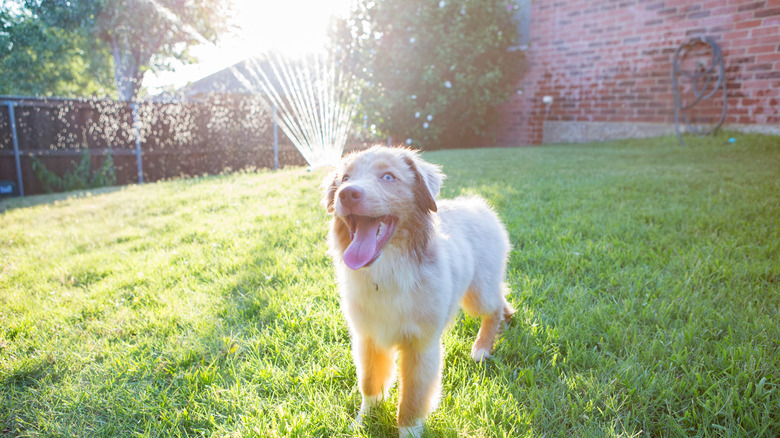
(405, 263)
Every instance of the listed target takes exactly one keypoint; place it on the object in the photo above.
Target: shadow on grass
(9, 204)
(35, 372)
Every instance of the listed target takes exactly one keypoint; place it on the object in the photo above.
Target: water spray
(313, 101)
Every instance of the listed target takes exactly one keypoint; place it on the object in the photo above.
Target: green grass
(646, 278)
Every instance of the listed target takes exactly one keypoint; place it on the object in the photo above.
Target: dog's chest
(383, 309)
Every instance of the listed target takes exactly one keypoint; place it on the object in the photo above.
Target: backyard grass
(646, 276)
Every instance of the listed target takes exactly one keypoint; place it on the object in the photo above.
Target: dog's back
(472, 220)
(472, 230)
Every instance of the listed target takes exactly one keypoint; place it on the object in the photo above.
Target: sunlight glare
(293, 28)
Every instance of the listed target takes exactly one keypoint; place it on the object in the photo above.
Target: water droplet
(447, 84)
(408, 141)
(417, 115)
(442, 4)
(429, 118)
(426, 125)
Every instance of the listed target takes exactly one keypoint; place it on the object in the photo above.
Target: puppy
(405, 263)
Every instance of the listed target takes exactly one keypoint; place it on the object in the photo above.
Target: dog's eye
(344, 178)
(388, 177)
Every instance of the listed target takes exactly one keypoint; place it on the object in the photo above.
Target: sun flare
(292, 28)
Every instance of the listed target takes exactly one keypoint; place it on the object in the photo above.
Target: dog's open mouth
(369, 235)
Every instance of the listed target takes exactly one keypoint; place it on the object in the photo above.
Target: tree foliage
(77, 47)
(144, 34)
(432, 73)
(41, 59)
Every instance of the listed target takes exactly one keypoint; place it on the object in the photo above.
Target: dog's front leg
(375, 367)
(420, 386)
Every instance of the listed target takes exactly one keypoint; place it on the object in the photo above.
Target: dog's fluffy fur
(405, 263)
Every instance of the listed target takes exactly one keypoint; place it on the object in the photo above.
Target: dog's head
(379, 196)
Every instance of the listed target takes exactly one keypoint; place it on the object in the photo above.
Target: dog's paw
(480, 355)
(356, 424)
(368, 402)
(413, 431)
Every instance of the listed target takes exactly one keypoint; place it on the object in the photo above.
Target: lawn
(646, 276)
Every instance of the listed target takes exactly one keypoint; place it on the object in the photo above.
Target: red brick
(769, 30)
(762, 49)
(767, 12)
(770, 40)
(748, 24)
(738, 34)
(751, 6)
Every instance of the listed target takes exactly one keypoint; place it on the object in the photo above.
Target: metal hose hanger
(701, 85)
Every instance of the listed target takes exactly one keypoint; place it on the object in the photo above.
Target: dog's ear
(428, 179)
(330, 185)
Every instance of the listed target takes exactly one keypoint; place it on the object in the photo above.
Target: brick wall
(607, 64)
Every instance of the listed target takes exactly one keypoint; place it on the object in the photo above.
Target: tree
(144, 34)
(39, 59)
(432, 73)
(137, 35)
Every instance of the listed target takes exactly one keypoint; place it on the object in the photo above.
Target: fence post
(15, 139)
(276, 141)
(137, 134)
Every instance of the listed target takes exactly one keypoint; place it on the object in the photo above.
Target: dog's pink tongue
(363, 247)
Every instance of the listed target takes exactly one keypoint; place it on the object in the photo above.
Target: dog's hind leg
(509, 311)
(483, 346)
(494, 312)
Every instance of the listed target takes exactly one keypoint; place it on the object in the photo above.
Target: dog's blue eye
(344, 178)
(388, 177)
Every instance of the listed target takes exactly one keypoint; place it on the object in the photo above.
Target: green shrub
(81, 177)
(430, 72)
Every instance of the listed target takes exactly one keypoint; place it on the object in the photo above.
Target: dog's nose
(351, 196)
